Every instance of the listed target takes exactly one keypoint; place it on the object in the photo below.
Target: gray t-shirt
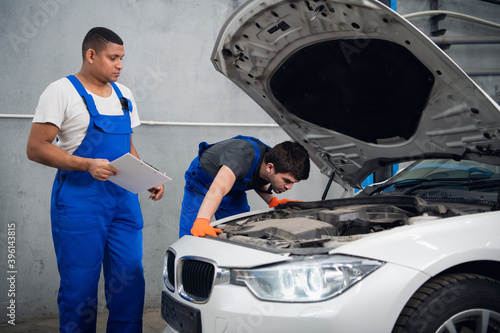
(237, 155)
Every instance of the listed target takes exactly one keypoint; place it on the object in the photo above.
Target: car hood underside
(356, 84)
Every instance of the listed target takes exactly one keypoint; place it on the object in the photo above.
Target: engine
(328, 224)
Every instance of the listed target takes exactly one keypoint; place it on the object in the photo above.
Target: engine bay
(329, 224)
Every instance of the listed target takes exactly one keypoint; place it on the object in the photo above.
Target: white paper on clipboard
(135, 175)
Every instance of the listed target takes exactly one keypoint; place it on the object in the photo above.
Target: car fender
(433, 246)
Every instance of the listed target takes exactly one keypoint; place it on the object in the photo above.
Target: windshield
(443, 173)
(444, 169)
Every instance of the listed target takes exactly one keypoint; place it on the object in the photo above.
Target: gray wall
(167, 65)
(473, 58)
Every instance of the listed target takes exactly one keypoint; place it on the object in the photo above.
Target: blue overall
(97, 222)
(198, 182)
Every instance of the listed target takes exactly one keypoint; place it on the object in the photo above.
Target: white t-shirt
(61, 105)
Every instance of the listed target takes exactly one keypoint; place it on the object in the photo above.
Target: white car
(360, 88)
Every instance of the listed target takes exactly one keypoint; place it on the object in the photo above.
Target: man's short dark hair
(98, 38)
(289, 157)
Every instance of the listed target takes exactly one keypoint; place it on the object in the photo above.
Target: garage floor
(153, 323)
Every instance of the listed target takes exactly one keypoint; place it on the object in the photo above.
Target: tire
(455, 303)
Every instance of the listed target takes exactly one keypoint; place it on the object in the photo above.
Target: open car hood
(356, 84)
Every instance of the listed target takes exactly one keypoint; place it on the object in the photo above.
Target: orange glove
(202, 227)
(275, 202)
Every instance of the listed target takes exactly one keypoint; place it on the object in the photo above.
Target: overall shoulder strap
(250, 139)
(126, 103)
(87, 98)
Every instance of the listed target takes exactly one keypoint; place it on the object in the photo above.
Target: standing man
(94, 221)
(217, 179)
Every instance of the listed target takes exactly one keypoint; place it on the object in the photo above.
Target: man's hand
(156, 192)
(101, 170)
(202, 227)
(275, 202)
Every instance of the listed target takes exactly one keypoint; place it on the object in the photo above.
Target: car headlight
(311, 280)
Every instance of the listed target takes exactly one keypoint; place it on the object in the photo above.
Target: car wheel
(455, 303)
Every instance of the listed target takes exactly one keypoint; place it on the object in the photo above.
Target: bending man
(217, 179)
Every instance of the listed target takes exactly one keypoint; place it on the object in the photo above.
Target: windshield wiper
(467, 183)
(426, 183)
(401, 184)
(440, 182)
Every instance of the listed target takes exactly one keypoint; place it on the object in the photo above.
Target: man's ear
(90, 55)
(269, 167)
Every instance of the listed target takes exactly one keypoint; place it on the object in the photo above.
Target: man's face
(108, 63)
(281, 182)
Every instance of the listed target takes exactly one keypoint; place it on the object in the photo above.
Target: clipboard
(136, 175)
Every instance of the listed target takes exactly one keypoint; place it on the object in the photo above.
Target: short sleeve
(239, 159)
(51, 106)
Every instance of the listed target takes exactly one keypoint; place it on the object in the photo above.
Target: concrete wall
(472, 58)
(167, 65)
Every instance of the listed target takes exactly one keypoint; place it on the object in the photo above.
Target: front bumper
(372, 305)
